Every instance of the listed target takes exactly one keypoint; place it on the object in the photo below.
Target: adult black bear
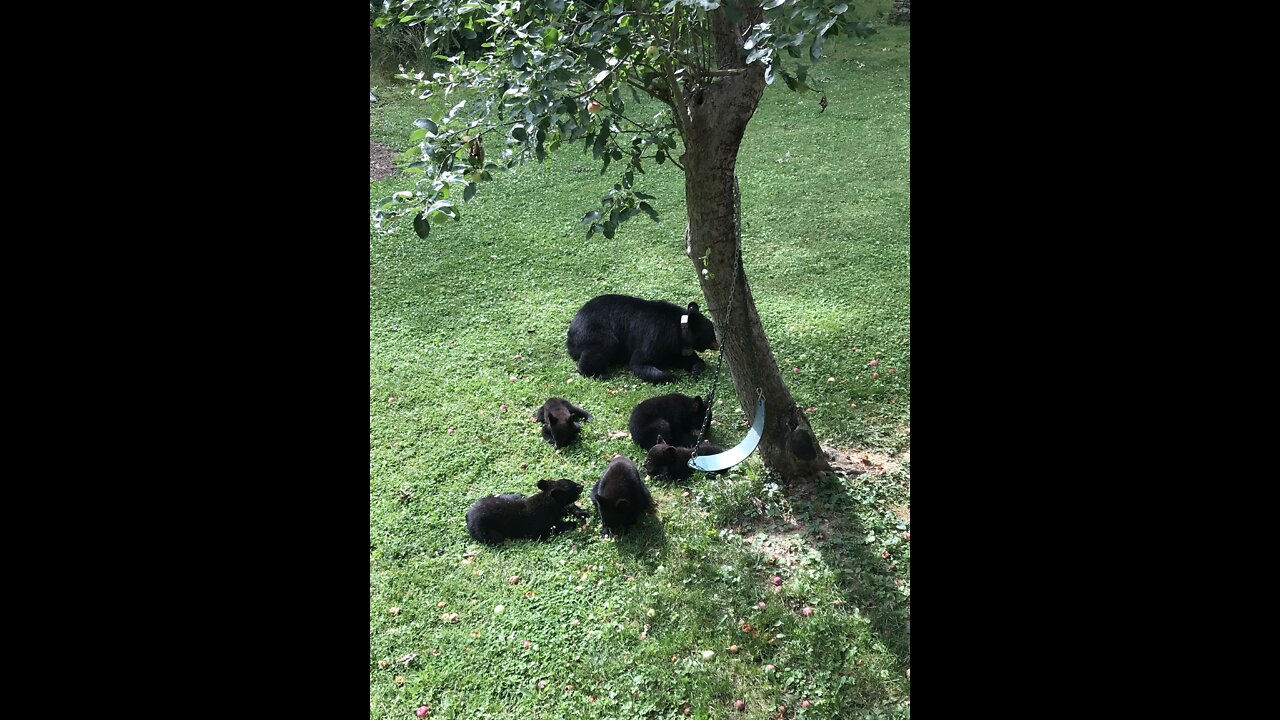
(621, 497)
(647, 335)
(676, 417)
(673, 461)
(559, 421)
(495, 518)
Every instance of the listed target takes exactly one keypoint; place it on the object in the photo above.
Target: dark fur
(675, 417)
(643, 334)
(558, 418)
(495, 518)
(673, 461)
(621, 497)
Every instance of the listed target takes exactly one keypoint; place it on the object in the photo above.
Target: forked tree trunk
(718, 117)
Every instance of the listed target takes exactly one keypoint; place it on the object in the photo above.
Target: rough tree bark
(715, 120)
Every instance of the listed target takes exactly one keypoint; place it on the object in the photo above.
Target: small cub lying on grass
(496, 518)
(673, 460)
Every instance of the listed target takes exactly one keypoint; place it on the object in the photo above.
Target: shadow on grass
(826, 509)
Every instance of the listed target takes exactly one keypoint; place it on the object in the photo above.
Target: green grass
(475, 317)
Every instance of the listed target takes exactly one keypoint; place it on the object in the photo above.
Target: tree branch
(693, 65)
(682, 109)
(609, 72)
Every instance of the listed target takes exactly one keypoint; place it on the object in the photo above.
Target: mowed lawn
(739, 588)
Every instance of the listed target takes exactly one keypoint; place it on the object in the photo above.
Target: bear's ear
(544, 485)
(660, 441)
(693, 308)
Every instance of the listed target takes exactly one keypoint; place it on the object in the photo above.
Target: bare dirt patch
(860, 462)
(381, 166)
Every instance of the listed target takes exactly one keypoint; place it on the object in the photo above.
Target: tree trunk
(717, 119)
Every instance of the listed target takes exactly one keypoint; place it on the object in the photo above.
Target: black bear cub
(495, 518)
(673, 461)
(645, 335)
(675, 417)
(620, 497)
(559, 420)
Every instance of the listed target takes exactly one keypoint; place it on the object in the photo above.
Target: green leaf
(771, 4)
(815, 50)
(417, 135)
(596, 60)
(517, 57)
(519, 133)
(590, 217)
(648, 210)
(644, 196)
(557, 6)
(839, 9)
(469, 192)
(427, 124)
(421, 226)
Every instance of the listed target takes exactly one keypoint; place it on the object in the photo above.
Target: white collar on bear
(686, 336)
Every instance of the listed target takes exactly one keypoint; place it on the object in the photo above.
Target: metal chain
(728, 309)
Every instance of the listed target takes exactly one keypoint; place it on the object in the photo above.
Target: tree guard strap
(739, 452)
